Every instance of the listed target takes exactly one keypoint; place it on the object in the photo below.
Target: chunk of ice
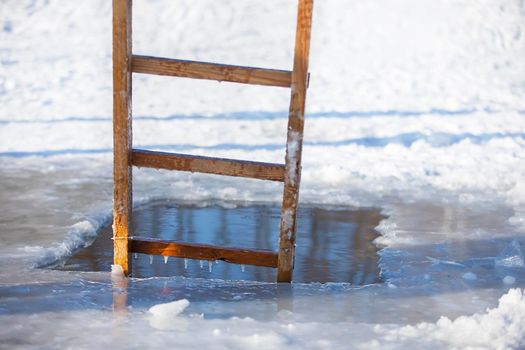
(469, 276)
(185, 264)
(116, 270)
(435, 261)
(511, 256)
(166, 259)
(168, 310)
(151, 259)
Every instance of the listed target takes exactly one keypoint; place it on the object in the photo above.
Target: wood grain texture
(294, 143)
(211, 71)
(209, 165)
(203, 252)
(122, 137)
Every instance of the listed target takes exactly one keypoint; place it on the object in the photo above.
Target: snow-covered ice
(414, 106)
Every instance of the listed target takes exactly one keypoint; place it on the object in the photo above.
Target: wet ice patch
(469, 276)
(511, 256)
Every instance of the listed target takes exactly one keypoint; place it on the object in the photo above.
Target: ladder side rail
(122, 136)
(294, 143)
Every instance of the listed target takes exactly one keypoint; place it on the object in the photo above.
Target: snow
(292, 149)
(498, 328)
(414, 107)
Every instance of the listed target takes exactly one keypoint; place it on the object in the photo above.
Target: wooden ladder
(125, 156)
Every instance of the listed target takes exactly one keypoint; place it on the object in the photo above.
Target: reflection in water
(332, 245)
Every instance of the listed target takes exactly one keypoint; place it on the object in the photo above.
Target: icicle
(185, 264)
(242, 267)
(165, 259)
(151, 259)
(135, 255)
(201, 263)
(210, 265)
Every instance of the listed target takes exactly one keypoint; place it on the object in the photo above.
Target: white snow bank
(499, 328)
(80, 235)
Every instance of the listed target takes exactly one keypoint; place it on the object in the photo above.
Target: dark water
(333, 245)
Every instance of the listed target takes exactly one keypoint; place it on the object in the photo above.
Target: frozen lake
(440, 274)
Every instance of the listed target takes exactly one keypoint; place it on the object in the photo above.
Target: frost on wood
(294, 139)
(287, 222)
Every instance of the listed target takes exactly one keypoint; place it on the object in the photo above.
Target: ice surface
(440, 149)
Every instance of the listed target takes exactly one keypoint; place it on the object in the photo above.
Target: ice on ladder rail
(125, 157)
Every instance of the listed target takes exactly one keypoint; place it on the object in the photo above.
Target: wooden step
(211, 71)
(209, 165)
(244, 256)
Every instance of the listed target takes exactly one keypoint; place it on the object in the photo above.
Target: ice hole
(332, 245)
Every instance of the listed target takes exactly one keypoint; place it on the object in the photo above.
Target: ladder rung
(209, 165)
(212, 71)
(245, 256)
